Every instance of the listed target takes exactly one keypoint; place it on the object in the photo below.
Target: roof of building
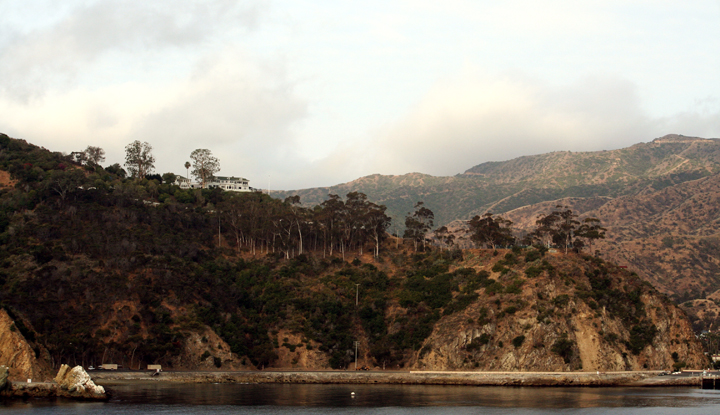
(233, 178)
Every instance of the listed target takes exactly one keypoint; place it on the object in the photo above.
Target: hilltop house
(231, 184)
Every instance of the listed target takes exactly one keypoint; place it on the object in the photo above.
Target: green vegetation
(97, 267)
(518, 341)
(564, 348)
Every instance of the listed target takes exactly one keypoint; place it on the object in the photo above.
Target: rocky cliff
(560, 313)
(18, 355)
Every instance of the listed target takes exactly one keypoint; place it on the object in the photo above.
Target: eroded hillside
(560, 312)
(669, 236)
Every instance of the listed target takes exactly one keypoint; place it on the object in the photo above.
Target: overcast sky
(296, 94)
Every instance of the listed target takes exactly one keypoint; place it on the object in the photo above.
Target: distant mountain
(503, 186)
(659, 201)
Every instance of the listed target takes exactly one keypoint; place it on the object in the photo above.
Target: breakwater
(644, 378)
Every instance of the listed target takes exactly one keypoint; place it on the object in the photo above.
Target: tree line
(559, 228)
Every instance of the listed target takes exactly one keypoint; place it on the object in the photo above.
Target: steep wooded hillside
(560, 312)
(669, 236)
(106, 269)
(658, 201)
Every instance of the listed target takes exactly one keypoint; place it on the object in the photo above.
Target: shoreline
(538, 379)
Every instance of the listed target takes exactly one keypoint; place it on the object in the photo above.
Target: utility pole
(357, 288)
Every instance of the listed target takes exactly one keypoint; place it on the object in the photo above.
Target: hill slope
(657, 200)
(106, 269)
(670, 237)
(502, 186)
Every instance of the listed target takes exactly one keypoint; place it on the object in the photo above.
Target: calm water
(158, 398)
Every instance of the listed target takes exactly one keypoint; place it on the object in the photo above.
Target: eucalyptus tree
(561, 228)
(204, 165)
(330, 219)
(591, 230)
(418, 223)
(376, 222)
(139, 159)
(490, 231)
(94, 155)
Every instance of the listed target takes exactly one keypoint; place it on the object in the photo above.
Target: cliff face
(575, 315)
(18, 355)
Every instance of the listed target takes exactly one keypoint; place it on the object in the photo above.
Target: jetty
(596, 379)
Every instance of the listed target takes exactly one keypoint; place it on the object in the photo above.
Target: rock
(4, 373)
(18, 355)
(76, 383)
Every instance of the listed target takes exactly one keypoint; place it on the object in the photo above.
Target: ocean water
(168, 398)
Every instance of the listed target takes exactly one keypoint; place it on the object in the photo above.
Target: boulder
(76, 383)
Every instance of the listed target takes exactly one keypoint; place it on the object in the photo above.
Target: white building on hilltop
(231, 184)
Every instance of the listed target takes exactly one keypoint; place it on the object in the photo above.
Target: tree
(296, 215)
(591, 230)
(376, 222)
(187, 169)
(78, 157)
(94, 155)
(139, 159)
(204, 165)
(445, 236)
(116, 169)
(65, 183)
(418, 224)
(491, 231)
(169, 178)
(558, 227)
(330, 218)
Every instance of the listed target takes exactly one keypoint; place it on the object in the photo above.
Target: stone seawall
(647, 378)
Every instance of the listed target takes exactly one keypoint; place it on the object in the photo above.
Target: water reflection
(409, 396)
(168, 398)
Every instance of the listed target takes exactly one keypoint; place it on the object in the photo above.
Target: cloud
(54, 55)
(241, 108)
(242, 112)
(475, 117)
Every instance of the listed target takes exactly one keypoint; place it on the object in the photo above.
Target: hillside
(669, 236)
(502, 186)
(102, 268)
(657, 200)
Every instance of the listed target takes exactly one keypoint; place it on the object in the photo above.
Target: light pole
(356, 346)
(357, 288)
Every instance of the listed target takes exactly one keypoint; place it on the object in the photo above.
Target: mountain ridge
(506, 185)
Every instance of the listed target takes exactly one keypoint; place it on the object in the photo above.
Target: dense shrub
(518, 341)
(563, 347)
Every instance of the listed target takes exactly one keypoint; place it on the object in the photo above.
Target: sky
(297, 94)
